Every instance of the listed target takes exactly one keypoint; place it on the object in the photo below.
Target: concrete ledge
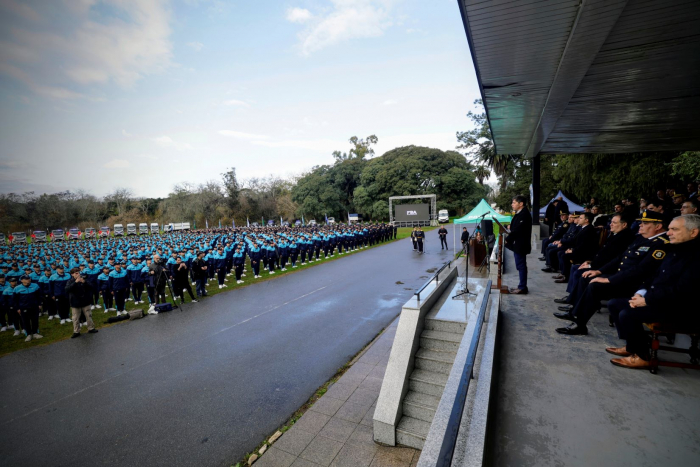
(401, 360)
(472, 433)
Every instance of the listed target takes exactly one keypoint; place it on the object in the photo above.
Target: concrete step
(420, 406)
(446, 326)
(434, 360)
(427, 382)
(440, 340)
(411, 432)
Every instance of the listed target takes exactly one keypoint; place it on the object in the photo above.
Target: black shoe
(573, 329)
(93, 331)
(565, 308)
(548, 269)
(565, 316)
(564, 300)
(75, 334)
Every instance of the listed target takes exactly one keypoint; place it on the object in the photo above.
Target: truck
(143, 228)
(118, 230)
(155, 228)
(443, 215)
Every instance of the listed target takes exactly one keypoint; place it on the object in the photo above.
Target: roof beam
(594, 21)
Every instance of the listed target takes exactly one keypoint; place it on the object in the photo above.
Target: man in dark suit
(519, 240)
(443, 238)
(584, 248)
(551, 214)
(464, 238)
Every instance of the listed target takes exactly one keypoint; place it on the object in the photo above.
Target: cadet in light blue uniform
(91, 273)
(8, 305)
(119, 284)
(27, 301)
(105, 290)
(58, 292)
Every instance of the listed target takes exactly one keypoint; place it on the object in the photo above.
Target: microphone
(484, 215)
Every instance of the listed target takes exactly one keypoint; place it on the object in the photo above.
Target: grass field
(53, 331)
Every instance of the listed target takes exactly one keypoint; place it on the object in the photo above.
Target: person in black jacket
(199, 267)
(669, 298)
(80, 294)
(464, 239)
(181, 281)
(518, 241)
(157, 278)
(584, 248)
(443, 238)
(621, 236)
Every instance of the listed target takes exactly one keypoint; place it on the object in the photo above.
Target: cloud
(22, 10)
(235, 102)
(389, 102)
(168, 142)
(115, 41)
(10, 165)
(298, 15)
(348, 19)
(321, 145)
(117, 164)
(241, 135)
(196, 46)
(126, 135)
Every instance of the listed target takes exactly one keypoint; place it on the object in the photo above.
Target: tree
(481, 173)
(479, 148)
(361, 148)
(232, 188)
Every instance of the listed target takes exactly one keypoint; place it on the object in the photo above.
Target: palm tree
(482, 172)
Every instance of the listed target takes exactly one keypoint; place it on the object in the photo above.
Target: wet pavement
(205, 385)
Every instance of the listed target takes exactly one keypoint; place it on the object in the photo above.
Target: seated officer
(560, 228)
(584, 248)
(620, 277)
(669, 298)
(552, 261)
(615, 245)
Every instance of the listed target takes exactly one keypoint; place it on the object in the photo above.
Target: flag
(247, 221)
(263, 222)
(326, 218)
(233, 223)
(195, 224)
(281, 220)
(219, 222)
(302, 219)
(206, 221)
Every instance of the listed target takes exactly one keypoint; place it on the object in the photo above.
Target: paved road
(203, 386)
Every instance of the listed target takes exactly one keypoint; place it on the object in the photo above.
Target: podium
(477, 253)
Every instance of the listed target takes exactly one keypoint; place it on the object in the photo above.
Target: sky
(145, 94)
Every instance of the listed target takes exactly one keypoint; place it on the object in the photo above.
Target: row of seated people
(647, 276)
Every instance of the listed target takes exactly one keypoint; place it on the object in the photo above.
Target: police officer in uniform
(621, 277)
(669, 297)
(560, 229)
(420, 237)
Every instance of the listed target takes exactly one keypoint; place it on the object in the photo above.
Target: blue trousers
(521, 266)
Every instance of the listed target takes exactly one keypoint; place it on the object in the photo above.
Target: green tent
(474, 217)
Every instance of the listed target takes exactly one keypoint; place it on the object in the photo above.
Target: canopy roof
(572, 206)
(594, 76)
(474, 217)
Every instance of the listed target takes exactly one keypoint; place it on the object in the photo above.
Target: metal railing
(448, 264)
(450, 439)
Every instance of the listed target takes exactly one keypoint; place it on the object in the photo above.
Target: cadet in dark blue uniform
(58, 292)
(27, 300)
(119, 285)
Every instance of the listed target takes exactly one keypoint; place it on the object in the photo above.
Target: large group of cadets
(118, 268)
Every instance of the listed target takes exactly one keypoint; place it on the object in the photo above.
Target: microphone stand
(465, 248)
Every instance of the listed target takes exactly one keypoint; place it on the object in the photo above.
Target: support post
(536, 190)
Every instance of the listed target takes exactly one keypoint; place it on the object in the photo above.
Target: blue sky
(145, 94)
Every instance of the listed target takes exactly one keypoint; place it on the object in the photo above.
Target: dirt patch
(399, 282)
(431, 270)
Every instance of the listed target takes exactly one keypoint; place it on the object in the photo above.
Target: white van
(443, 215)
(143, 228)
(118, 230)
(155, 228)
(131, 229)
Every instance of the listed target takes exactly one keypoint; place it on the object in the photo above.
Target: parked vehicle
(155, 228)
(331, 220)
(443, 215)
(312, 222)
(38, 236)
(90, 232)
(104, 232)
(143, 228)
(354, 218)
(58, 235)
(18, 238)
(118, 230)
(3, 240)
(74, 233)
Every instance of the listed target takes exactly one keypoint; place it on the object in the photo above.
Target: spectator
(690, 207)
(181, 281)
(199, 266)
(80, 294)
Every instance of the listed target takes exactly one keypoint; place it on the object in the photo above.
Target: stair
(433, 363)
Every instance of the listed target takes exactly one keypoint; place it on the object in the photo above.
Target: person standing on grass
(199, 267)
(181, 281)
(27, 301)
(79, 293)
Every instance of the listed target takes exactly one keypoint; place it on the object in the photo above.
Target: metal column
(536, 190)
